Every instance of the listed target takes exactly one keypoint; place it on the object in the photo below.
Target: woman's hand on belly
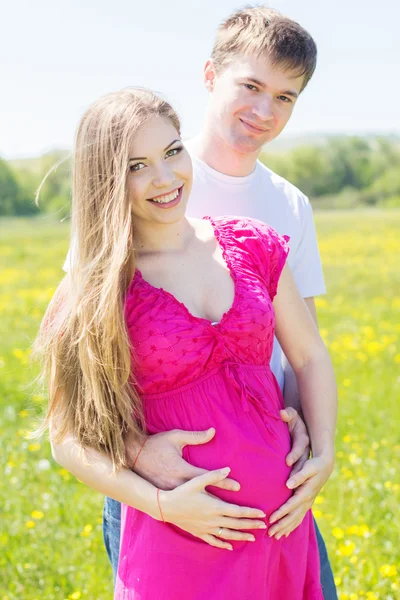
(191, 508)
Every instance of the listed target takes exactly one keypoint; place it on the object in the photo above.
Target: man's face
(250, 101)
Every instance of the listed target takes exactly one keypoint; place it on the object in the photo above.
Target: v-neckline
(163, 292)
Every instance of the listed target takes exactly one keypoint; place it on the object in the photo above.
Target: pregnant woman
(167, 322)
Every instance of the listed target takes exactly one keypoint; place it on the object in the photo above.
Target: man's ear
(209, 75)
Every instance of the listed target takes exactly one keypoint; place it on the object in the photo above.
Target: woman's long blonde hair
(83, 342)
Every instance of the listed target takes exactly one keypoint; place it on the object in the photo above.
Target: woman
(166, 322)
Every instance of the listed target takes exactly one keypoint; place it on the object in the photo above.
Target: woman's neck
(150, 238)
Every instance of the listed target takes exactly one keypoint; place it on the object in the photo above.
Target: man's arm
(305, 490)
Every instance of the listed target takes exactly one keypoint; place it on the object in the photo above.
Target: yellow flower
(347, 439)
(338, 533)
(23, 413)
(319, 500)
(34, 447)
(75, 596)
(64, 474)
(37, 514)
(30, 524)
(87, 530)
(347, 548)
(397, 359)
(388, 571)
(338, 580)
(321, 302)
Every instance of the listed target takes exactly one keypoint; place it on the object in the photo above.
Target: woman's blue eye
(137, 167)
(174, 151)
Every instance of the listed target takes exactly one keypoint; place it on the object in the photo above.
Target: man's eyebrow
(165, 149)
(291, 93)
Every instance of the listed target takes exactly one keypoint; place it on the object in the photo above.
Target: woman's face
(160, 173)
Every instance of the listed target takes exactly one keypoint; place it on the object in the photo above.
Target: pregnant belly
(252, 445)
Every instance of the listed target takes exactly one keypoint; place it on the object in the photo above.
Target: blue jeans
(112, 532)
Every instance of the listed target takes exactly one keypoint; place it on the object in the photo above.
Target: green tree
(9, 190)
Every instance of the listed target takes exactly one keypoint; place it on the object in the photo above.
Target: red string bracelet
(159, 505)
(138, 454)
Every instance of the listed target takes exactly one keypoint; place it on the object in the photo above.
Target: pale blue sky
(57, 57)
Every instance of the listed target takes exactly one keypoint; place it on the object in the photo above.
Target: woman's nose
(164, 176)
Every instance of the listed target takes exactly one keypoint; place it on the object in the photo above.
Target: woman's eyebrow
(165, 149)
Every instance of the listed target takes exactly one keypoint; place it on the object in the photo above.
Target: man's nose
(263, 109)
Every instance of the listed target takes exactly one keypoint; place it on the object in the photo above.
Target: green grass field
(51, 543)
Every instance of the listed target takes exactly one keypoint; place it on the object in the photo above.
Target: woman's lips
(170, 204)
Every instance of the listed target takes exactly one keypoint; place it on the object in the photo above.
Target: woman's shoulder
(239, 226)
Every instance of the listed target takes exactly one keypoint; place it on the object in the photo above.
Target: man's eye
(251, 87)
(174, 151)
(136, 167)
(284, 98)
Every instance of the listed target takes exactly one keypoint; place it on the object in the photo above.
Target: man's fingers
(194, 438)
(287, 524)
(286, 508)
(289, 414)
(307, 471)
(300, 449)
(298, 465)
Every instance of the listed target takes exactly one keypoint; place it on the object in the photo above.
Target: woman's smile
(168, 200)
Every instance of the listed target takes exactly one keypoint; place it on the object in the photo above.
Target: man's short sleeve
(306, 265)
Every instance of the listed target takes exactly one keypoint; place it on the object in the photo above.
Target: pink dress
(194, 376)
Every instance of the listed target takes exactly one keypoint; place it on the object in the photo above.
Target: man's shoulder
(284, 190)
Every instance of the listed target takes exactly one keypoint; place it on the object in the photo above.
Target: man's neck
(213, 151)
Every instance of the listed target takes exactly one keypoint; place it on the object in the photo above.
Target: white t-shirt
(265, 196)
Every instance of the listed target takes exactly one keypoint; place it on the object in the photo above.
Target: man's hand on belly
(161, 463)
(307, 484)
(300, 451)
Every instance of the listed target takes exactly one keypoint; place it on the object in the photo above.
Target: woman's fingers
(230, 534)
(215, 541)
(242, 524)
(225, 484)
(228, 484)
(241, 512)
(209, 478)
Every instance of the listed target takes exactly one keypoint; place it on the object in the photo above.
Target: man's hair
(263, 31)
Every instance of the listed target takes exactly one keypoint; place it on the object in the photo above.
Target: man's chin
(248, 145)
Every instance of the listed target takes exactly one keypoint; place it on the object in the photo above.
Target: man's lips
(253, 127)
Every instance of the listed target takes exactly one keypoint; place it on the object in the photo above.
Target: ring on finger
(220, 531)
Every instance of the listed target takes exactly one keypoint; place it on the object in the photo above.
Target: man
(260, 63)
